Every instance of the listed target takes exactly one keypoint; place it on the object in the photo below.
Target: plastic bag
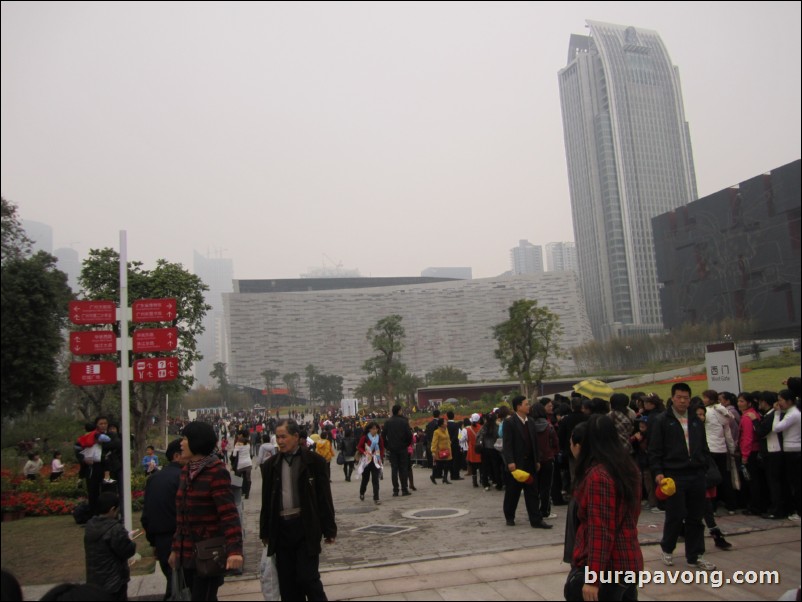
(268, 575)
(178, 586)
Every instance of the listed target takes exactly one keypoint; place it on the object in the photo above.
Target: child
(151, 461)
(56, 467)
(32, 466)
(108, 546)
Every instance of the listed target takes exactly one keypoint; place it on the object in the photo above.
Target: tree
(311, 375)
(100, 280)
(219, 374)
(35, 297)
(15, 244)
(446, 375)
(270, 377)
(527, 343)
(330, 388)
(387, 339)
(292, 380)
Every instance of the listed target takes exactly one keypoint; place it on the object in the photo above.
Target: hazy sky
(387, 136)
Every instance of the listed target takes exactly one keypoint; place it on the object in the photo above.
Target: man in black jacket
(453, 434)
(158, 514)
(297, 511)
(520, 453)
(429, 432)
(678, 450)
(397, 438)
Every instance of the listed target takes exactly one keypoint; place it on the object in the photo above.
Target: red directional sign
(93, 373)
(154, 310)
(93, 342)
(155, 369)
(93, 312)
(155, 339)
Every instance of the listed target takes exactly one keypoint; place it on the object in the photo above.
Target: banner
(349, 407)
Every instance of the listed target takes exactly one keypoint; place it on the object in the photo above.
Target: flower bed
(35, 504)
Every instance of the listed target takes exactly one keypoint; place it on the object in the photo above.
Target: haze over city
(387, 137)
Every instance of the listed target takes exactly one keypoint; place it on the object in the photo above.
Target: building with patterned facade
(735, 254)
(628, 151)
(286, 325)
(561, 257)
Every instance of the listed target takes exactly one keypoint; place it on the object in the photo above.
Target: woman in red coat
(607, 495)
(474, 458)
(205, 509)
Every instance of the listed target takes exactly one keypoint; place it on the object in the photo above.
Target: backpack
(479, 443)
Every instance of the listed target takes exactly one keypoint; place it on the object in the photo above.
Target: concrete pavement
(474, 555)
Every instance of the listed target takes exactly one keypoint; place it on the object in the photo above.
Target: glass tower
(629, 159)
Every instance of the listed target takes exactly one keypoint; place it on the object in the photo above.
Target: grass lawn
(50, 549)
(764, 379)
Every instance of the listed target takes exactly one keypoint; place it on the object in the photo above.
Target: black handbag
(712, 474)
(210, 557)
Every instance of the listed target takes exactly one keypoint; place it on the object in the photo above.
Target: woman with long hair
(441, 452)
(371, 450)
(607, 496)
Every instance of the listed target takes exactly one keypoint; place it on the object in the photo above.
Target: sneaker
(657, 510)
(703, 564)
(362, 496)
(552, 515)
(377, 502)
(794, 517)
(668, 559)
(405, 493)
(487, 488)
(108, 481)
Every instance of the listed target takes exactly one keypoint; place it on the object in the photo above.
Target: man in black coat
(678, 450)
(158, 514)
(397, 439)
(520, 453)
(297, 511)
(453, 434)
(429, 432)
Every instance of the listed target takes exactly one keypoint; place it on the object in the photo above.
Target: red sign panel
(155, 339)
(93, 373)
(93, 312)
(154, 310)
(155, 369)
(93, 342)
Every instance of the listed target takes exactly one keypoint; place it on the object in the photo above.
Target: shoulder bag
(210, 557)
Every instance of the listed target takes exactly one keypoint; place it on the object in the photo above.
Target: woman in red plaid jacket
(607, 492)
(205, 509)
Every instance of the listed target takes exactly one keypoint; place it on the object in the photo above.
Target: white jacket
(789, 426)
(717, 429)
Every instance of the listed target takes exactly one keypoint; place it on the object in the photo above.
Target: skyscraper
(561, 257)
(218, 274)
(526, 258)
(629, 158)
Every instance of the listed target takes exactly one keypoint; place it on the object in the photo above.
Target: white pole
(166, 410)
(124, 378)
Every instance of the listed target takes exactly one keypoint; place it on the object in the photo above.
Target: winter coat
(397, 434)
(717, 427)
(314, 499)
(107, 548)
(547, 443)
(205, 508)
(441, 440)
(668, 452)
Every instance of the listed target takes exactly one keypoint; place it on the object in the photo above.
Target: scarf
(195, 467)
(374, 443)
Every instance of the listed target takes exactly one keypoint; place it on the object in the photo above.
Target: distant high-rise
(70, 264)
(561, 257)
(526, 258)
(629, 158)
(41, 235)
(218, 274)
(461, 273)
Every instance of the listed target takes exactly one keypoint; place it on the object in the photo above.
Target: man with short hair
(520, 453)
(158, 514)
(297, 511)
(453, 433)
(397, 439)
(678, 450)
(429, 433)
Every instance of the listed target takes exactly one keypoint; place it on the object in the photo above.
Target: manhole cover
(356, 510)
(383, 529)
(434, 513)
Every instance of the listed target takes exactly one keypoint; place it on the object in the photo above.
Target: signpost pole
(124, 378)
(166, 410)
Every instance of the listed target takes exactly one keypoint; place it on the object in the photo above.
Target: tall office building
(561, 257)
(526, 258)
(629, 158)
(218, 274)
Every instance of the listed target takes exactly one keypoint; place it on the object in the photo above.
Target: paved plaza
(463, 550)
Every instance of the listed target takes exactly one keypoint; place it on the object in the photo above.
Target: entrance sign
(147, 340)
(155, 369)
(93, 312)
(93, 373)
(93, 342)
(154, 310)
(723, 371)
